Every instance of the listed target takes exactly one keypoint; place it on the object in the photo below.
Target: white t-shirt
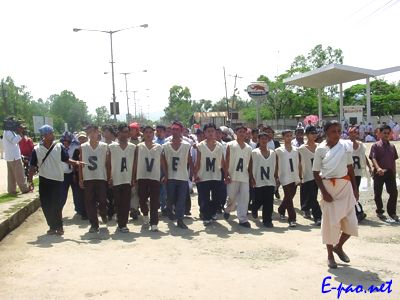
(307, 158)
(11, 146)
(239, 161)
(148, 164)
(177, 161)
(359, 160)
(252, 145)
(288, 165)
(370, 138)
(332, 162)
(95, 159)
(67, 167)
(52, 168)
(210, 163)
(264, 168)
(271, 145)
(122, 163)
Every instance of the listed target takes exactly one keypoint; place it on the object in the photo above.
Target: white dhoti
(339, 215)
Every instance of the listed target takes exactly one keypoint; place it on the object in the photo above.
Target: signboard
(48, 121)
(257, 89)
(116, 108)
(38, 121)
(353, 109)
(353, 114)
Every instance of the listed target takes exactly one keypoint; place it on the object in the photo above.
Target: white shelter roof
(335, 74)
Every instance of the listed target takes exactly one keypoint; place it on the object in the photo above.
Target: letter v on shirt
(148, 163)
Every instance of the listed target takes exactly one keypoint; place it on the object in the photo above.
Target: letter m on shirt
(210, 164)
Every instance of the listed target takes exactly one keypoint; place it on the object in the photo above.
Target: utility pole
(236, 76)
(127, 97)
(226, 97)
(134, 101)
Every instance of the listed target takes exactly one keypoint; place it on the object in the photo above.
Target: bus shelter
(338, 74)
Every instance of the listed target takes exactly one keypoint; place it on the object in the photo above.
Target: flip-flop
(343, 257)
(332, 263)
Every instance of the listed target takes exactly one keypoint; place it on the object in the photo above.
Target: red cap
(134, 125)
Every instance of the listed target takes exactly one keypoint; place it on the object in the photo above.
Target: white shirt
(210, 163)
(239, 161)
(148, 163)
(271, 145)
(288, 165)
(263, 168)
(177, 161)
(121, 163)
(67, 167)
(359, 160)
(252, 145)
(52, 168)
(370, 138)
(95, 159)
(307, 158)
(332, 162)
(11, 146)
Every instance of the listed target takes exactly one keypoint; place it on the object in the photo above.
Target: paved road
(220, 262)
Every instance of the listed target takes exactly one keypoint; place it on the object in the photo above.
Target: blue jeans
(76, 193)
(176, 197)
(163, 196)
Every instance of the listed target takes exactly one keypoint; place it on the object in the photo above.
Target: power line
(362, 8)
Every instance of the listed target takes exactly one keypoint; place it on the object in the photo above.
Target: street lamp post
(111, 32)
(126, 91)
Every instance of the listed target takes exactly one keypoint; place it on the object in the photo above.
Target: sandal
(343, 257)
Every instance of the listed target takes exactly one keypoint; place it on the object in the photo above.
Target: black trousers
(209, 195)
(50, 200)
(310, 196)
(389, 179)
(264, 196)
(110, 202)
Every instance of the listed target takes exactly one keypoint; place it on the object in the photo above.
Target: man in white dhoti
(334, 175)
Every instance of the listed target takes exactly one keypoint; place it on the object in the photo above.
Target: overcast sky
(187, 43)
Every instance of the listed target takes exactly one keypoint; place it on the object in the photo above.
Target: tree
(66, 108)
(16, 100)
(201, 105)
(179, 105)
(102, 116)
(385, 97)
(278, 98)
(316, 58)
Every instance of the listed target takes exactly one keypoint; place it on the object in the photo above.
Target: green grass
(9, 197)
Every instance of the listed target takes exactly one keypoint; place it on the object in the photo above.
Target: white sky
(187, 43)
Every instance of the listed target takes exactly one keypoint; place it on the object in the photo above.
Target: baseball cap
(81, 134)
(134, 125)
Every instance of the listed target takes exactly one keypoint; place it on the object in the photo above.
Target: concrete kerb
(15, 212)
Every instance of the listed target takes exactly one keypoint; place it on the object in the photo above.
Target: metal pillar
(319, 106)
(112, 76)
(341, 117)
(368, 101)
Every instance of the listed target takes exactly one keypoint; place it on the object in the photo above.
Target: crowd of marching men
(130, 171)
